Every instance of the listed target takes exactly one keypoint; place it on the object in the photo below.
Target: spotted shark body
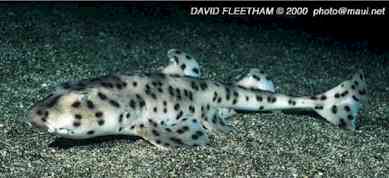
(177, 107)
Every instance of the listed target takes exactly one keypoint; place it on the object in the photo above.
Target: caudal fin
(341, 104)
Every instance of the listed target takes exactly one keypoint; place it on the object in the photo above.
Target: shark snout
(39, 118)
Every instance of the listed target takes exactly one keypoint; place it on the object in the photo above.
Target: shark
(176, 107)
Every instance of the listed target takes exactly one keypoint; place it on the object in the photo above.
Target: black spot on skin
(194, 120)
(191, 109)
(319, 107)
(39, 112)
(234, 101)
(236, 94)
(91, 132)
(120, 118)
(271, 99)
(165, 110)
(175, 58)
(142, 103)
(347, 108)
(154, 124)
(323, 97)
(261, 108)
(176, 140)
(182, 130)
(78, 116)
(208, 107)
(194, 85)
(214, 96)
(214, 119)
(171, 90)
(256, 78)
(160, 90)
(259, 98)
(247, 98)
(203, 85)
(334, 109)
(197, 135)
(114, 103)
(178, 93)
(190, 95)
(76, 123)
(353, 87)
(90, 104)
(99, 114)
(336, 95)
(177, 52)
(177, 107)
(291, 102)
(168, 130)
(155, 109)
(100, 122)
(355, 98)
(128, 115)
(313, 98)
(350, 117)
(132, 127)
(141, 125)
(120, 129)
(196, 70)
(344, 93)
(119, 86)
(356, 83)
(102, 96)
(107, 84)
(76, 104)
(148, 87)
(183, 66)
(219, 100)
(186, 93)
(362, 92)
(45, 115)
(342, 123)
(134, 84)
(132, 104)
(188, 57)
(155, 132)
(179, 115)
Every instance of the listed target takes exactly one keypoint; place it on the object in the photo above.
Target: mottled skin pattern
(176, 107)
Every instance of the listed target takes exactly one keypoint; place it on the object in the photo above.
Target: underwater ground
(41, 47)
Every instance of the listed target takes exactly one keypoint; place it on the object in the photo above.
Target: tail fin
(342, 104)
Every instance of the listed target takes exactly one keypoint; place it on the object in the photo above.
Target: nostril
(34, 125)
(37, 124)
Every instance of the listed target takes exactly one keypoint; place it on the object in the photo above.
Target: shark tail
(341, 105)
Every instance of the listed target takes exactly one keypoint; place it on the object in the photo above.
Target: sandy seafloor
(43, 47)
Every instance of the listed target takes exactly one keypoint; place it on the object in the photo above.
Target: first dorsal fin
(182, 64)
(187, 131)
(257, 79)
